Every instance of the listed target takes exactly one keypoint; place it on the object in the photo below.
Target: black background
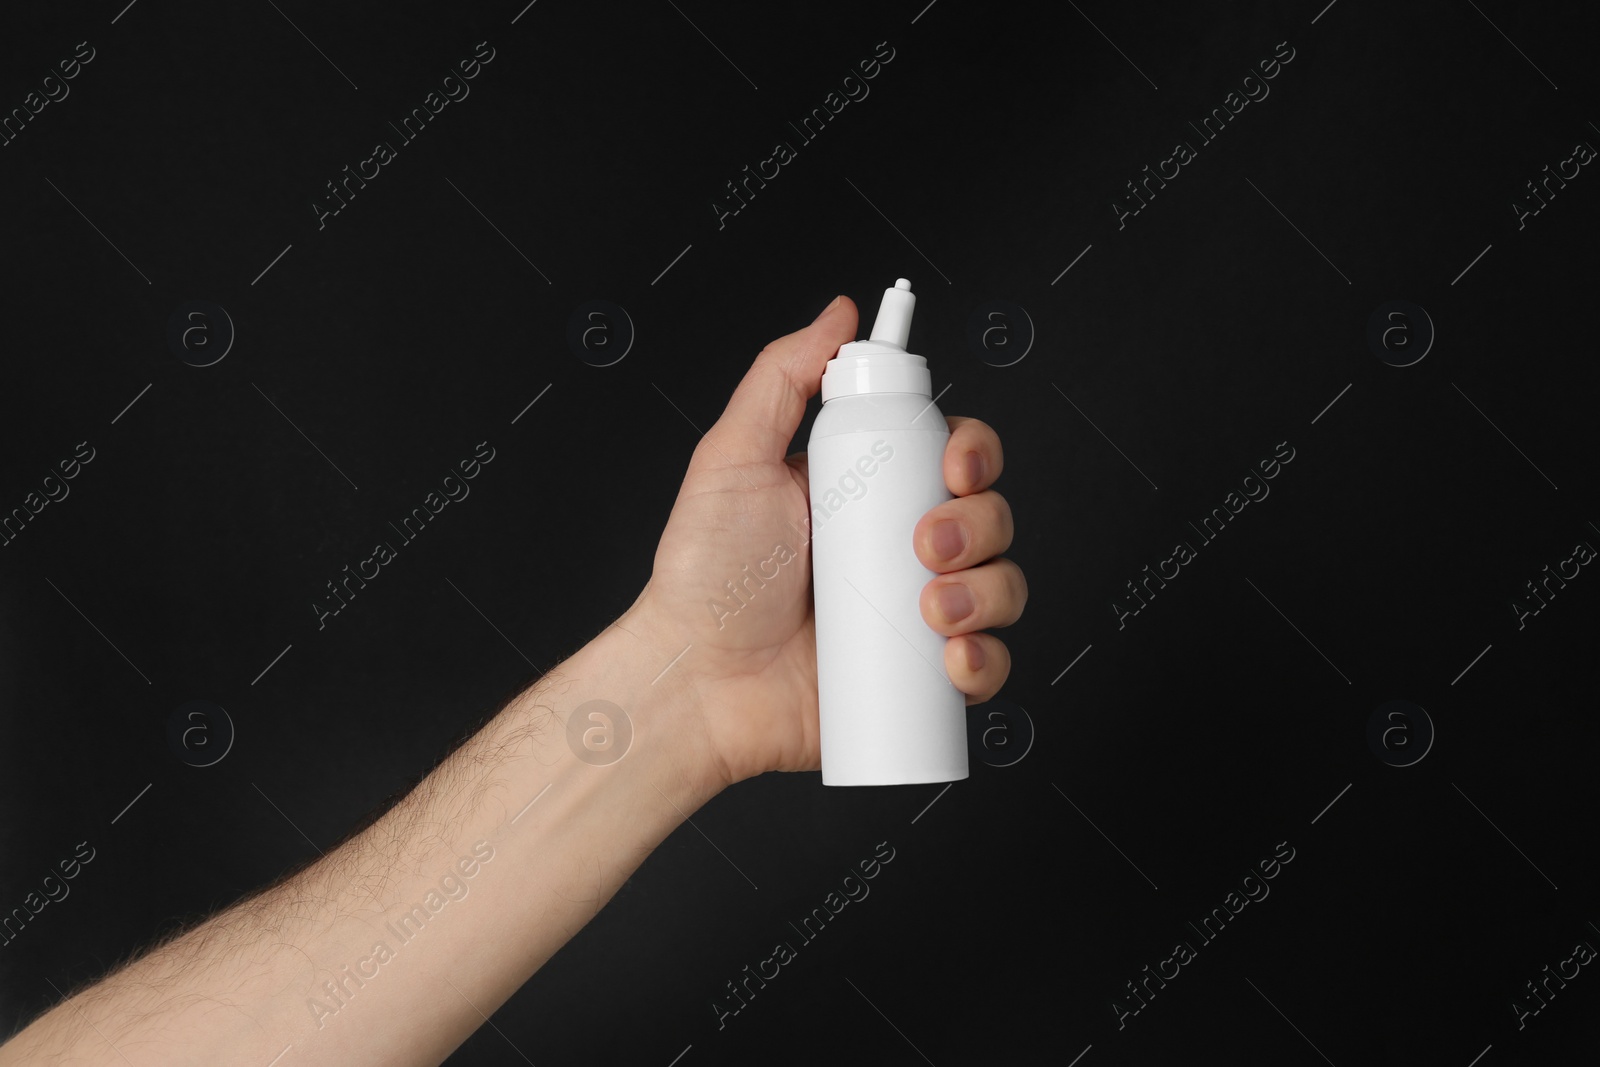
(1221, 720)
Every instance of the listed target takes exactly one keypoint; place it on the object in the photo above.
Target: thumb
(765, 410)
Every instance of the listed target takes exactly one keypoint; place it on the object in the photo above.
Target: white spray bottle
(889, 712)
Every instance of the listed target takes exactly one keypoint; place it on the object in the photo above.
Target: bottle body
(889, 713)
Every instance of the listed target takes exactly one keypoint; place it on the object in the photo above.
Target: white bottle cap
(881, 363)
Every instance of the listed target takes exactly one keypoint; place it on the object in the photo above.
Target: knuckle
(1003, 516)
(986, 515)
(993, 525)
(1002, 671)
(1019, 584)
(986, 439)
(1007, 591)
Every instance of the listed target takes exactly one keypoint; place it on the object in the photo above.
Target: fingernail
(974, 468)
(829, 308)
(948, 539)
(955, 602)
(974, 655)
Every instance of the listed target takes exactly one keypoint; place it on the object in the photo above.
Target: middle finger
(963, 532)
(992, 594)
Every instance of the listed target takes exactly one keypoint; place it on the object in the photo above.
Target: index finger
(972, 458)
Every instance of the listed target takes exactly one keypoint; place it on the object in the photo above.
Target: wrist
(635, 666)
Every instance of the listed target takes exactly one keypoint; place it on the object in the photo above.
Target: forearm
(396, 946)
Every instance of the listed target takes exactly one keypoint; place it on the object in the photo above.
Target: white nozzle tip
(893, 324)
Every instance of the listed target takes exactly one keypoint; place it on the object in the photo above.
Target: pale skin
(240, 987)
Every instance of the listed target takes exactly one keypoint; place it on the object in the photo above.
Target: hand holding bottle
(750, 671)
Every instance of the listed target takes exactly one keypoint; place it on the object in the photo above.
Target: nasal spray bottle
(890, 714)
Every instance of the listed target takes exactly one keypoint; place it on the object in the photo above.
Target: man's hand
(396, 945)
(753, 675)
